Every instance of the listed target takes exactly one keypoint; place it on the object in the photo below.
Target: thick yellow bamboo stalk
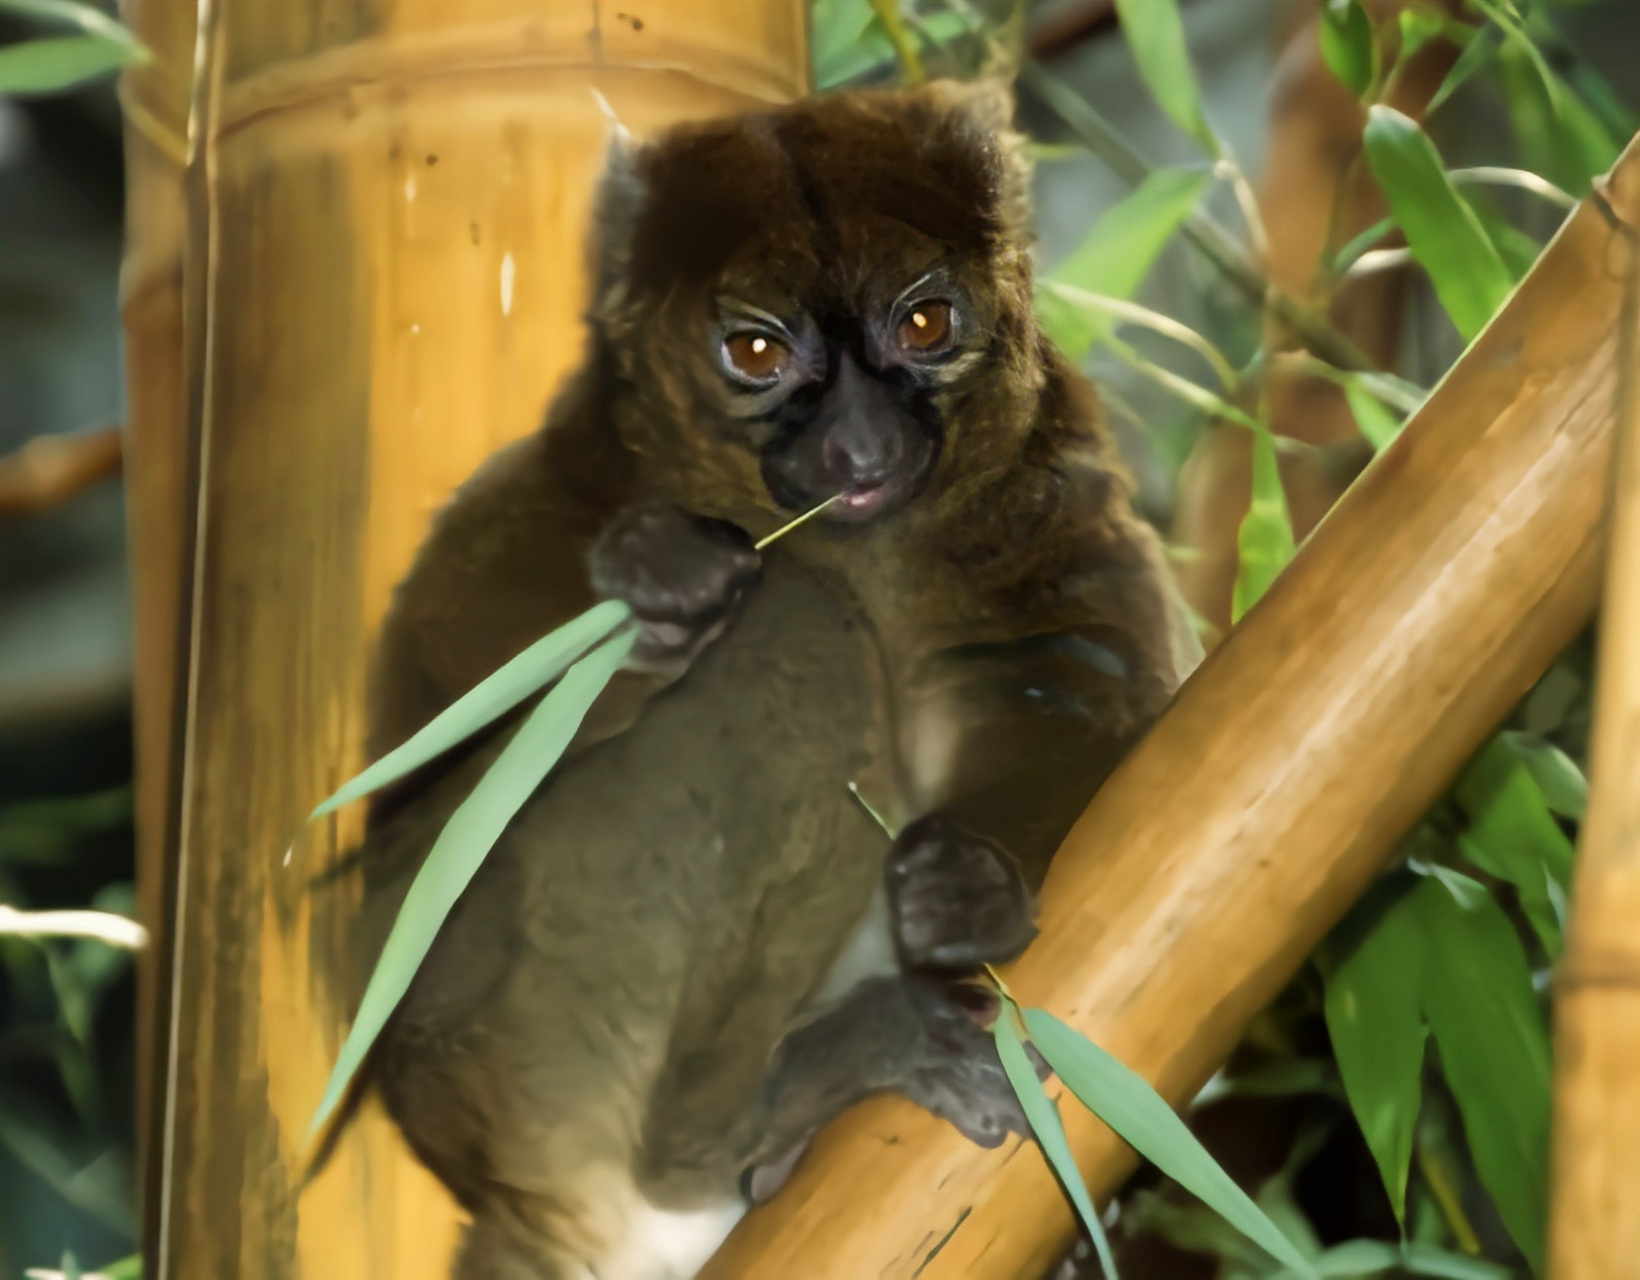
(158, 496)
(1595, 1224)
(386, 228)
(1269, 796)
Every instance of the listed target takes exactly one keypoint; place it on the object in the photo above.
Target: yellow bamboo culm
(368, 275)
(1271, 793)
(158, 495)
(1595, 1222)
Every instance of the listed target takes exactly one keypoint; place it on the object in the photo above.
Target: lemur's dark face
(809, 304)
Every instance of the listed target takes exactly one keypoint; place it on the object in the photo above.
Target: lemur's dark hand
(958, 900)
(681, 575)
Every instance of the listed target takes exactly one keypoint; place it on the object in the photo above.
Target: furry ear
(979, 118)
(984, 106)
(617, 207)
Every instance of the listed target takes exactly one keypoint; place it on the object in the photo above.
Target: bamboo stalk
(385, 220)
(1422, 608)
(1595, 1222)
(158, 467)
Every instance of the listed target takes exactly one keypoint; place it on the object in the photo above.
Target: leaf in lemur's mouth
(587, 651)
(466, 840)
(528, 673)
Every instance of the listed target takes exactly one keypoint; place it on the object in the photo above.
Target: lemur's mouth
(864, 498)
(867, 500)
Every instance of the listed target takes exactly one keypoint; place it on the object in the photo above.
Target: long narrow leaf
(60, 62)
(1558, 135)
(1376, 1022)
(1494, 1047)
(1141, 1117)
(1116, 256)
(1156, 36)
(1377, 1258)
(1049, 1130)
(837, 33)
(88, 18)
(1442, 231)
(486, 701)
(1479, 48)
(1122, 246)
(462, 846)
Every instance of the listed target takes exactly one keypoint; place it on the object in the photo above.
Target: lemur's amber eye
(926, 327)
(756, 356)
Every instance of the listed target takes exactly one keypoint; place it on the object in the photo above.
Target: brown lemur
(693, 947)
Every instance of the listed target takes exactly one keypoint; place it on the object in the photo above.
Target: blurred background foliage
(1267, 227)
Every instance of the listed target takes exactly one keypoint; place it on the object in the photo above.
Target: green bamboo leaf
(1494, 1046)
(1419, 26)
(60, 62)
(486, 701)
(1156, 36)
(1378, 1257)
(850, 41)
(1564, 788)
(1116, 255)
(1141, 1117)
(1513, 835)
(1559, 135)
(1518, 250)
(1376, 420)
(125, 1269)
(1580, 138)
(1478, 49)
(1046, 1125)
(1265, 540)
(1368, 239)
(1376, 1023)
(1441, 1264)
(462, 846)
(837, 34)
(1347, 44)
(1442, 231)
(88, 18)
(1515, 38)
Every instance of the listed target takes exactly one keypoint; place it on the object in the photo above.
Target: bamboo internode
(1269, 796)
(1595, 1223)
(368, 276)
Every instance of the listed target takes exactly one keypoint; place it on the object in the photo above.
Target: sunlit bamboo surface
(382, 262)
(1269, 796)
(158, 496)
(1595, 1185)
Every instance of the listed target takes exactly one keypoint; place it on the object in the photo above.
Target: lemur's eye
(927, 328)
(756, 356)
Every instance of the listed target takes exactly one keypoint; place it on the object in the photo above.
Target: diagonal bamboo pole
(1269, 796)
(1595, 1222)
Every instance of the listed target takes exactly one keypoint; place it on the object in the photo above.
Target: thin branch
(1521, 179)
(1375, 260)
(49, 470)
(1132, 313)
(104, 926)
